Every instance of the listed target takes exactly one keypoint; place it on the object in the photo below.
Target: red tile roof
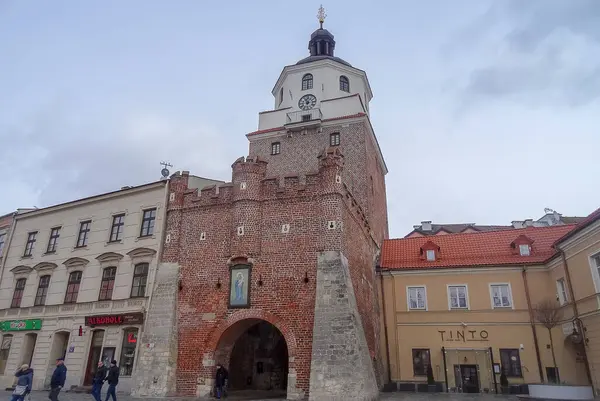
(472, 249)
(581, 225)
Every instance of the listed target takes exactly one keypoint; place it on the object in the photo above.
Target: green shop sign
(21, 325)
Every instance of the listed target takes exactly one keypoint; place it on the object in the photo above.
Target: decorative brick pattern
(309, 199)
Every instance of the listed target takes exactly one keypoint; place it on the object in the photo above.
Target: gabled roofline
(591, 219)
(90, 199)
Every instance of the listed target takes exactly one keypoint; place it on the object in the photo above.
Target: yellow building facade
(474, 306)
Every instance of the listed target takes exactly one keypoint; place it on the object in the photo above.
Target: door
(470, 378)
(94, 356)
(108, 354)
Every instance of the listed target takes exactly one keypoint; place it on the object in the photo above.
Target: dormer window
(344, 84)
(307, 82)
(430, 251)
(522, 245)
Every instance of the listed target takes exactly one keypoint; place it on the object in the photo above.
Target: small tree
(549, 313)
(430, 379)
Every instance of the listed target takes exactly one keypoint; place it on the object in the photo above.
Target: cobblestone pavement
(67, 396)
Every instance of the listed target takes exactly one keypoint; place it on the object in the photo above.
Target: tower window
(334, 139)
(344, 84)
(307, 82)
(275, 148)
(281, 96)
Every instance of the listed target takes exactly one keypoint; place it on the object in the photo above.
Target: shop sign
(20, 325)
(114, 320)
(463, 335)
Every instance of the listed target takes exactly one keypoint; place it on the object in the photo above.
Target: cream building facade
(76, 281)
(469, 305)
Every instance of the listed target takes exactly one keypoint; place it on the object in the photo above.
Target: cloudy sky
(486, 111)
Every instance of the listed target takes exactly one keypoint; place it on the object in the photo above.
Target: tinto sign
(463, 335)
(114, 320)
(20, 325)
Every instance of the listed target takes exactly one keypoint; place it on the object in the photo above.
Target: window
(595, 263)
(30, 242)
(524, 249)
(140, 274)
(281, 96)
(275, 148)
(130, 337)
(4, 351)
(562, 291)
(501, 296)
(511, 362)
(116, 231)
(552, 375)
(417, 298)
(148, 223)
(306, 117)
(307, 82)
(430, 255)
(107, 284)
(18, 294)
(73, 287)
(42, 291)
(344, 84)
(334, 139)
(53, 241)
(420, 359)
(2, 239)
(84, 231)
(458, 296)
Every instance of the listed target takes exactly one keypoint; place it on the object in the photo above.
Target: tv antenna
(165, 171)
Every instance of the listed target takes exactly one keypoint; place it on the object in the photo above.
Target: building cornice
(460, 270)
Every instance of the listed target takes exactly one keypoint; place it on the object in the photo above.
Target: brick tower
(273, 274)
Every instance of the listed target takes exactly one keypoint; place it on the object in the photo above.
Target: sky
(486, 111)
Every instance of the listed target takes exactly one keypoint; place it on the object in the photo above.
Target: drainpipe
(385, 330)
(578, 321)
(532, 322)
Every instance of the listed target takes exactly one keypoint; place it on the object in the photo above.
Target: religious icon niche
(239, 287)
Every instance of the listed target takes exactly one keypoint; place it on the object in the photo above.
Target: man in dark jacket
(221, 378)
(99, 380)
(58, 379)
(113, 380)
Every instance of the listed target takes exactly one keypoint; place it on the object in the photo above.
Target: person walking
(113, 380)
(221, 379)
(24, 379)
(58, 379)
(98, 381)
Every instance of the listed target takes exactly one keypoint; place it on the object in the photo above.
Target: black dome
(321, 47)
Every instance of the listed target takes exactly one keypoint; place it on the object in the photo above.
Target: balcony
(297, 120)
(75, 309)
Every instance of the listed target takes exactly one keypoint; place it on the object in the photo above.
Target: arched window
(307, 82)
(73, 287)
(107, 284)
(140, 274)
(344, 84)
(4, 351)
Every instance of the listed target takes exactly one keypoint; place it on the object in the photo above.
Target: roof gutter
(532, 322)
(385, 328)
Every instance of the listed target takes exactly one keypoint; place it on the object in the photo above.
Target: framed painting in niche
(239, 286)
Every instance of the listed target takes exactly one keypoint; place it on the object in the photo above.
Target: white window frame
(595, 269)
(528, 253)
(408, 288)
(430, 252)
(563, 294)
(448, 286)
(510, 297)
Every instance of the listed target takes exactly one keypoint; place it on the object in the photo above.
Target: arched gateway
(258, 350)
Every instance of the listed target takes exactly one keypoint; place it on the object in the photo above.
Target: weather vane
(321, 15)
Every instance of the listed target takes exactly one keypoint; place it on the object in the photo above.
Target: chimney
(528, 223)
(517, 224)
(556, 216)
(426, 225)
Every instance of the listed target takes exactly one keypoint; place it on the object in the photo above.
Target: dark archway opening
(258, 362)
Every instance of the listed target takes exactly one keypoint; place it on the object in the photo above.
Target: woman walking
(24, 378)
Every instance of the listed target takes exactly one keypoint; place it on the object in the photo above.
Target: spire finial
(321, 15)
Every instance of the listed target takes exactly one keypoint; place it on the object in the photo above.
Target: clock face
(307, 102)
